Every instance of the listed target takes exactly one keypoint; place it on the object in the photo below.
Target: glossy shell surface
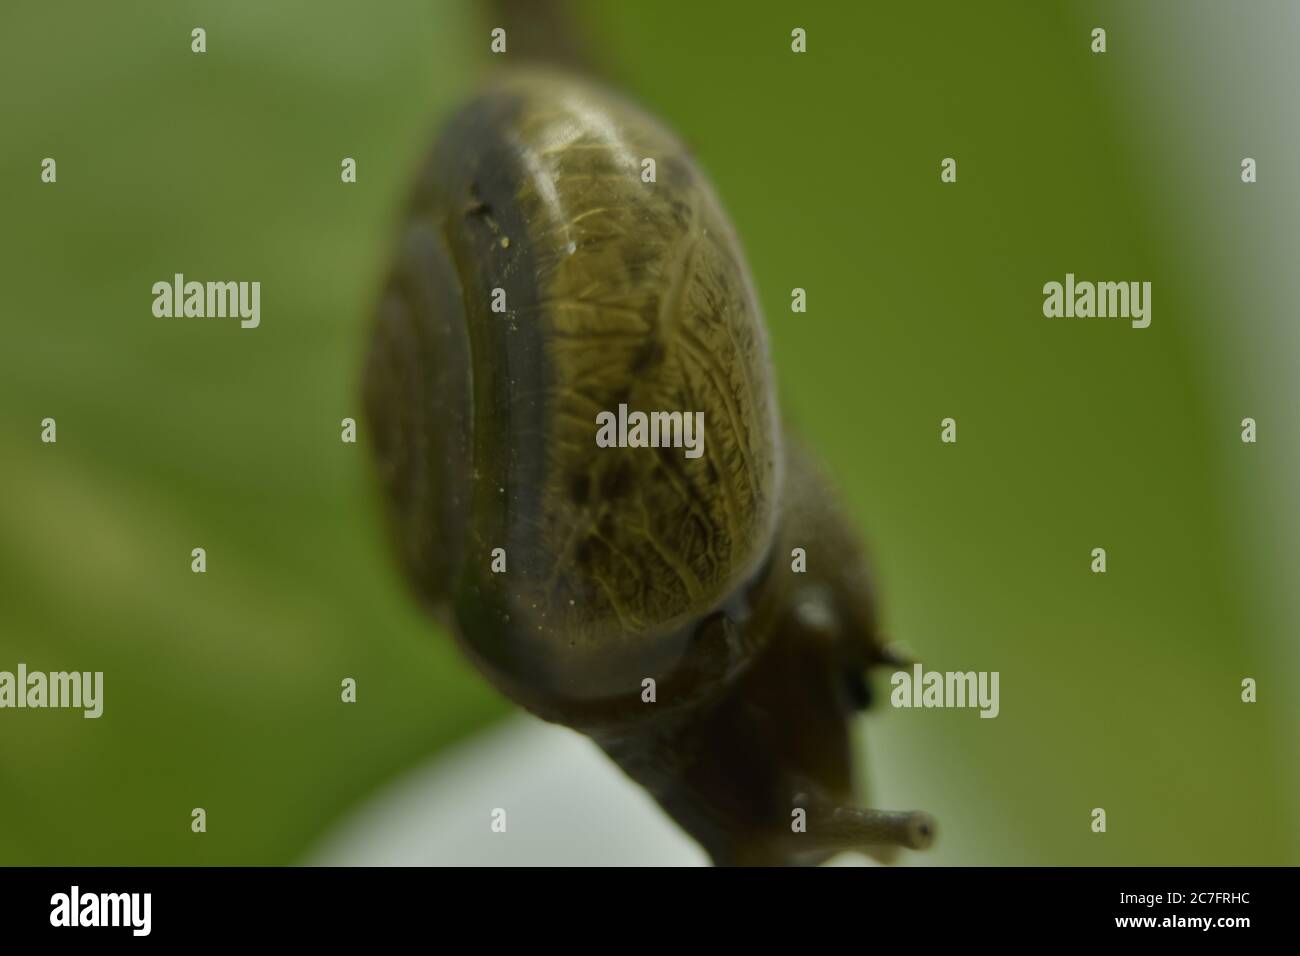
(617, 291)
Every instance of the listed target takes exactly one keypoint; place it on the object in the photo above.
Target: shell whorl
(617, 291)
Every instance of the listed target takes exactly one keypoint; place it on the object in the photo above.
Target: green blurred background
(222, 690)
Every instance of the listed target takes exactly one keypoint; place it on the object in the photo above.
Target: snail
(640, 596)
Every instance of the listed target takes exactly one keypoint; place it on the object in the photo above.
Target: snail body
(543, 281)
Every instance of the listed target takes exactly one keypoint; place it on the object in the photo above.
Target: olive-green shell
(617, 291)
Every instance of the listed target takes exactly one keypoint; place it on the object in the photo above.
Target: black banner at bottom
(332, 906)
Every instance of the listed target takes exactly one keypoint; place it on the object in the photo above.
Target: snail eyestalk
(856, 828)
(895, 654)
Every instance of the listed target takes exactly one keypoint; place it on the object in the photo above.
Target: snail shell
(617, 291)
